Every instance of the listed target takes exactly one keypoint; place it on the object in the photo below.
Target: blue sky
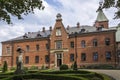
(73, 11)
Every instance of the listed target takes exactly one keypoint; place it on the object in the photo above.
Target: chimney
(43, 29)
(50, 28)
(78, 25)
(68, 27)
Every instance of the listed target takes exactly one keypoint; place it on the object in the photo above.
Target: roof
(46, 33)
(101, 16)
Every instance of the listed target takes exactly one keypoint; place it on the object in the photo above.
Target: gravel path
(113, 73)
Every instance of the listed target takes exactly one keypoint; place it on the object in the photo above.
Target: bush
(34, 68)
(64, 67)
(13, 68)
(5, 67)
(101, 66)
(75, 66)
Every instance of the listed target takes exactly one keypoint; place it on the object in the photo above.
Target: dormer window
(82, 30)
(25, 35)
(58, 32)
(38, 35)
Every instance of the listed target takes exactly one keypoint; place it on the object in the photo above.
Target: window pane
(8, 50)
(71, 57)
(36, 59)
(58, 32)
(72, 44)
(26, 59)
(94, 42)
(46, 58)
(37, 47)
(58, 44)
(27, 47)
(95, 56)
(83, 57)
(47, 46)
(83, 44)
(107, 41)
(108, 55)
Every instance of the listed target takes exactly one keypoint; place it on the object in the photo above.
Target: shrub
(25, 68)
(33, 67)
(75, 66)
(64, 67)
(43, 67)
(100, 66)
(13, 68)
(5, 67)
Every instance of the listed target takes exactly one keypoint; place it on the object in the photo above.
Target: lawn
(54, 75)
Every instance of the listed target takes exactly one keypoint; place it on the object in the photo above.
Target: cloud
(83, 11)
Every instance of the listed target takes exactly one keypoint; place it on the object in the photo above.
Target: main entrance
(59, 59)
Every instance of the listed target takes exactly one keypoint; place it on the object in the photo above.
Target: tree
(17, 8)
(75, 66)
(113, 3)
(5, 67)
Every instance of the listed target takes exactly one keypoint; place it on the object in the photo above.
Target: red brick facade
(63, 47)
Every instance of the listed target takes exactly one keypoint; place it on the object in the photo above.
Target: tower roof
(101, 16)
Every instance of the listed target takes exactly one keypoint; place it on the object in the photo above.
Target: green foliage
(100, 66)
(17, 8)
(64, 67)
(34, 68)
(5, 67)
(115, 4)
(62, 75)
(13, 68)
(43, 67)
(75, 66)
(25, 69)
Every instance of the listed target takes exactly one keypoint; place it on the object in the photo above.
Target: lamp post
(19, 69)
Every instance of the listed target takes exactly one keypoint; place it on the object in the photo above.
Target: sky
(72, 11)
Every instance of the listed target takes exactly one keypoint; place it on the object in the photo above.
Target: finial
(101, 2)
(100, 6)
(59, 16)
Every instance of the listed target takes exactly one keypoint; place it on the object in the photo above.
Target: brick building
(86, 45)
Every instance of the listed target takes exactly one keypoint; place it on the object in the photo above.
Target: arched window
(107, 41)
(83, 44)
(95, 43)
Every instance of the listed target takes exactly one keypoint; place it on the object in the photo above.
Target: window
(37, 47)
(107, 41)
(26, 59)
(83, 44)
(46, 58)
(27, 47)
(47, 46)
(72, 44)
(95, 43)
(8, 50)
(83, 57)
(108, 55)
(58, 32)
(58, 44)
(71, 57)
(95, 56)
(36, 59)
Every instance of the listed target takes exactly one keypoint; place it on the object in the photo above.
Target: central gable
(59, 32)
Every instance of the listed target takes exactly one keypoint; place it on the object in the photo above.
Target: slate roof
(46, 34)
(101, 16)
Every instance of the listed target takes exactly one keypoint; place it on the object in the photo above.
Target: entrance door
(59, 60)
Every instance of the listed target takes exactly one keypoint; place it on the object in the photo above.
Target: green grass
(54, 75)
